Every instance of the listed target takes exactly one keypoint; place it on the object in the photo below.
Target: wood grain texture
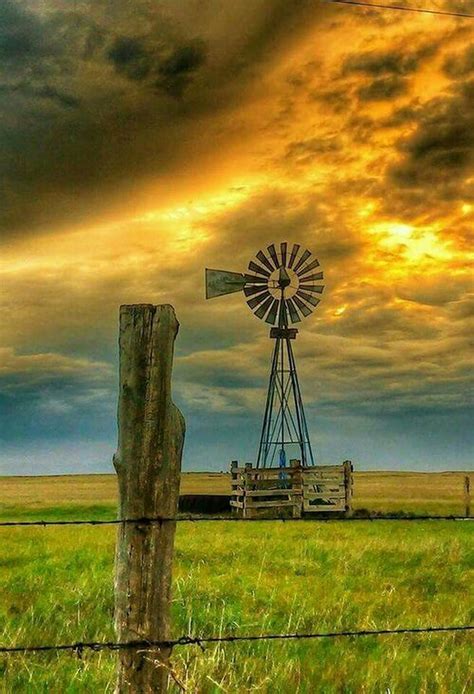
(148, 465)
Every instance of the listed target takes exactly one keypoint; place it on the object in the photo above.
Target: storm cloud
(142, 142)
(134, 85)
(442, 147)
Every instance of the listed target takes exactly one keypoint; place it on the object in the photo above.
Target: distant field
(410, 492)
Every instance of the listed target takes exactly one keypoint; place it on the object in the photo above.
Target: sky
(144, 141)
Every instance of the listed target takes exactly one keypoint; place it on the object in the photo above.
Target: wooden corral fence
(293, 491)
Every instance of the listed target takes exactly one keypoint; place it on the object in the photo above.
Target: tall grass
(254, 578)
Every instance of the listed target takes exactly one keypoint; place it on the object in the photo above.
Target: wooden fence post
(233, 481)
(148, 465)
(246, 511)
(348, 481)
(297, 488)
(467, 496)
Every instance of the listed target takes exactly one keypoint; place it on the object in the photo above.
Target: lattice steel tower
(282, 288)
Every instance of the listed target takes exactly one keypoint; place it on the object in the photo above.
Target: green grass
(57, 586)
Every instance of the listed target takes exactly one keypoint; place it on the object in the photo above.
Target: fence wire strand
(158, 520)
(80, 646)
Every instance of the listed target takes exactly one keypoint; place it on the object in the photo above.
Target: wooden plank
(329, 478)
(268, 504)
(313, 503)
(269, 492)
(322, 494)
(323, 483)
(236, 504)
(274, 471)
(340, 505)
(324, 497)
(269, 487)
(323, 509)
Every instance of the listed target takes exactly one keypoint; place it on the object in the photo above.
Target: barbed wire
(158, 520)
(402, 8)
(79, 646)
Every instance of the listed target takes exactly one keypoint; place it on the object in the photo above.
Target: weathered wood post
(233, 485)
(467, 496)
(348, 482)
(247, 511)
(297, 488)
(148, 464)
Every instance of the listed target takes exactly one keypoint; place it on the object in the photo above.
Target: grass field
(57, 586)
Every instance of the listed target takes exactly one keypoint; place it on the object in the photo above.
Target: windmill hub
(283, 279)
(281, 288)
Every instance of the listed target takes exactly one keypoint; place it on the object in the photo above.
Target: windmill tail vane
(281, 288)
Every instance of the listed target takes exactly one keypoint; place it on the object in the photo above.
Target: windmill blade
(249, 291)
(264, 260)
(308, 297)
(302, 260)
(273, 255)
(308, 268)
(253, 303)
(309, 278)
(255, 279)
(318, 288)
(294, 315)
(294, 253)
(261, 311)
(305, 310)
(283, 249)
(272, 314)
(258, 269)
(220, 282)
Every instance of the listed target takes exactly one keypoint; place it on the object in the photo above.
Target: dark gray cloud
(130, 57)
(96, 101)
(338, 100)
(169, 70)
(41, 92)
(396, 62)
(303, 152)
(383, 88)
(441, 150)
(175, 73)
(401, 116)
(458, 65)
(21, 33)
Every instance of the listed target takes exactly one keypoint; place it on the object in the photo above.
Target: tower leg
(284, 422)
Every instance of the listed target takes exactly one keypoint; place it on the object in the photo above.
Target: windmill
(283, 287)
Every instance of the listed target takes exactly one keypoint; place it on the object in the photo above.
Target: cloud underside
(142, 144)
